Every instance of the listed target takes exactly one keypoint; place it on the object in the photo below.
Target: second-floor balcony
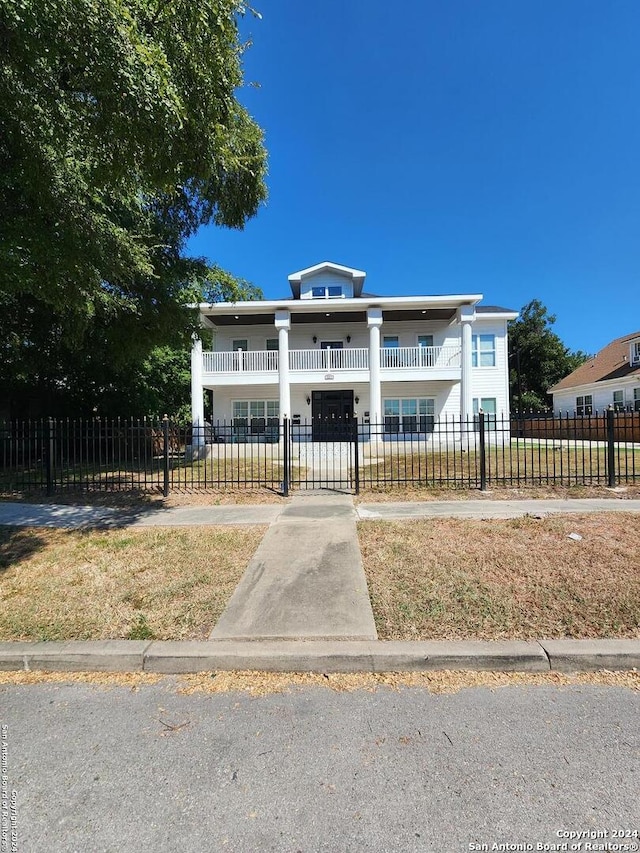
(441, 362)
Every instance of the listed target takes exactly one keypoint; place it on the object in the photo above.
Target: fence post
(483, 456)
(165, 436)
(356, 455)
(611, 450)
(285, 456)
(49, 448)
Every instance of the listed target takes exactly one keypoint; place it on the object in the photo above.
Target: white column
(466, 317)
(197, 401)
(283, 325)
(374, 322)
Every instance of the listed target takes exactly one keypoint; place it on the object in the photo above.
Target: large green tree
(537, 358)
(120, 134)
(44, 371)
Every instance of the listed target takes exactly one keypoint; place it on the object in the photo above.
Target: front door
(332, 414)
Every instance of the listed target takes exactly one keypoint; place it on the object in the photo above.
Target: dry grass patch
(259, 684)
(504, 579)
(134, 584)
(412, 492)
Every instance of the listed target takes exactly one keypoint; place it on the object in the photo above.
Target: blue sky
(455, 146)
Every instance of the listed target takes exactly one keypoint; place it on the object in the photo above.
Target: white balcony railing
(329, 359)
(260, 361)
(420, 357)
(309, 360)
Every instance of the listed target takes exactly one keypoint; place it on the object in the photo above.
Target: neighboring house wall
(602, 395)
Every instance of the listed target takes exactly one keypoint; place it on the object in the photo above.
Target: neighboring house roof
(612, 362)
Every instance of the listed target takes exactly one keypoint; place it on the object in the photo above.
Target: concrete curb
(174, 657)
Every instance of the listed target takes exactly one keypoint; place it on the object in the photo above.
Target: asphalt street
(111, 769)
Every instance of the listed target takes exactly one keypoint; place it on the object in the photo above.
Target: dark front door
(332, 413)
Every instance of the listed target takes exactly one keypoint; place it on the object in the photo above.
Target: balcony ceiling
(443, 315)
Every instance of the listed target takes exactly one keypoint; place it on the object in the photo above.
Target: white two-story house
(330, 351)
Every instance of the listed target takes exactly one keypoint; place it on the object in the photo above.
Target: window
(425, 340)
(390, 341)
(326, 291)
(411, 415)
(239, 343)
(618, 401)
(483, 350)
(256, 418)
(635, 352)
(584, 405)
(272, 344)
(636, 399)
(490, 409)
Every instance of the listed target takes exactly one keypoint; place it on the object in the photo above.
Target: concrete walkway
(306, 579)
(79, 517)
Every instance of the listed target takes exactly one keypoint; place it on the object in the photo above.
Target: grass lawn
(133, 584)
(504, 579)
(530, 464)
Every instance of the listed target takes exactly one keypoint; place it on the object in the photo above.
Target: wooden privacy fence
(626, 426)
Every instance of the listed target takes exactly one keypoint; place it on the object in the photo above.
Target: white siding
(326, 279)
(493, 382)
(602, 394)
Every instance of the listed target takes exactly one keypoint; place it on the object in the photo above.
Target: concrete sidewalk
(306, 579)
(83, 517)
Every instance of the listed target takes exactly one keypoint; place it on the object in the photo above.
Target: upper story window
(483, 350)
(635, 352)
(425, 340)
(239, 343)
(636, 399)
(272, 344)
(390, 341)
(327, 291)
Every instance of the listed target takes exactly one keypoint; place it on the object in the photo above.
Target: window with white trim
(635, 352)
(618, 401)
(584, 404)
(425, 340)
(636, 399)
(409, 415)
(239, 343)
(489, 406)
(255, 417)
(326, 291)
(272, 345)
(483, 350)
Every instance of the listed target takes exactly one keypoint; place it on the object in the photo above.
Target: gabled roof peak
(357, 276)
(328, 266)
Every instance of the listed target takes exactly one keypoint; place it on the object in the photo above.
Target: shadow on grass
(17, 545)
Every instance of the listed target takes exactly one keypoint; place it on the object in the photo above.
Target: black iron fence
(155, 455)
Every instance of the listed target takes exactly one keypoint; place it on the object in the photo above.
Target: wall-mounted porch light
(308, 401)
(348, 339)
(356, 400)
(315, 339)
